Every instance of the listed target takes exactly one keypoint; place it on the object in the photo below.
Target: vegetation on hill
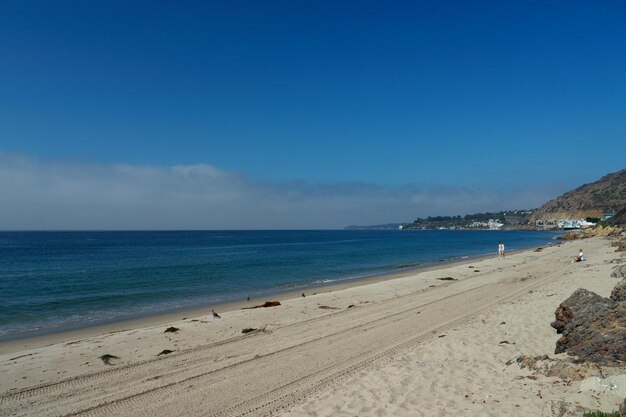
(509, 219)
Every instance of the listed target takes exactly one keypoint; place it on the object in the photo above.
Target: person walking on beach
(500, 250)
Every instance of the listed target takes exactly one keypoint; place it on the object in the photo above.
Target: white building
(494, 224)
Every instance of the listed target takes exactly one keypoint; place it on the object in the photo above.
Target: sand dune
(414, 345)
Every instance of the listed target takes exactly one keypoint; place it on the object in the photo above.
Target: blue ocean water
(52, 281)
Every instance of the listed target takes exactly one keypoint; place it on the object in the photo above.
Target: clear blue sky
(483, 95)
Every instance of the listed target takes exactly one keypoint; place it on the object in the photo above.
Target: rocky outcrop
(592, 328)
(607, 231)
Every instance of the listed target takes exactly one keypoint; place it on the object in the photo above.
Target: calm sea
(52, 281)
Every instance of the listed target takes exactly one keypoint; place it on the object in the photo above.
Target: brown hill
(607, 195)
(619, 218)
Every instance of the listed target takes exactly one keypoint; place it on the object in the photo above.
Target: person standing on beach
(500, 250)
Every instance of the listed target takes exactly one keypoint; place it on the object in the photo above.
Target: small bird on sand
(215, 315)
(303, 295)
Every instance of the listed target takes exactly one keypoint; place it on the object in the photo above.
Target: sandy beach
(442, 341)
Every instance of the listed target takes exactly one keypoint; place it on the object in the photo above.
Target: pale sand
(410, 346)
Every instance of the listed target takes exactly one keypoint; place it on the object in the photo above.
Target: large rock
(592, 328)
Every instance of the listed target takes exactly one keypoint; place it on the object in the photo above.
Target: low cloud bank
(41, 195)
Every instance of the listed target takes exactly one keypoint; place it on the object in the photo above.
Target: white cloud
(69, 195)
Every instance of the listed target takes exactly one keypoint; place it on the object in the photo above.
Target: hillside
(619, 218)
(607, 195)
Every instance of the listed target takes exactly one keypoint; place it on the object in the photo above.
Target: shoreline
(422, 335)
(28, 341)
(41, 340)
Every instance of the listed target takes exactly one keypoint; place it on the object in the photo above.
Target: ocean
(56, 281)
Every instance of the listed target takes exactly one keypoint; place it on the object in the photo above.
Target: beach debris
(592, 327)
(215, 315)
(165, 352)
(441, 335)
(248, 330)
(106, 358)
(471, 266)
(264, 305)
(538, 250)
(476, 270)
(506, 342)
(303, 295)
(503, 322)
(328, 308)
(351, 306)
(171, 330)
(447, 279)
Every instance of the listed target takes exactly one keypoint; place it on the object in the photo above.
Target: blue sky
(511, 103)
